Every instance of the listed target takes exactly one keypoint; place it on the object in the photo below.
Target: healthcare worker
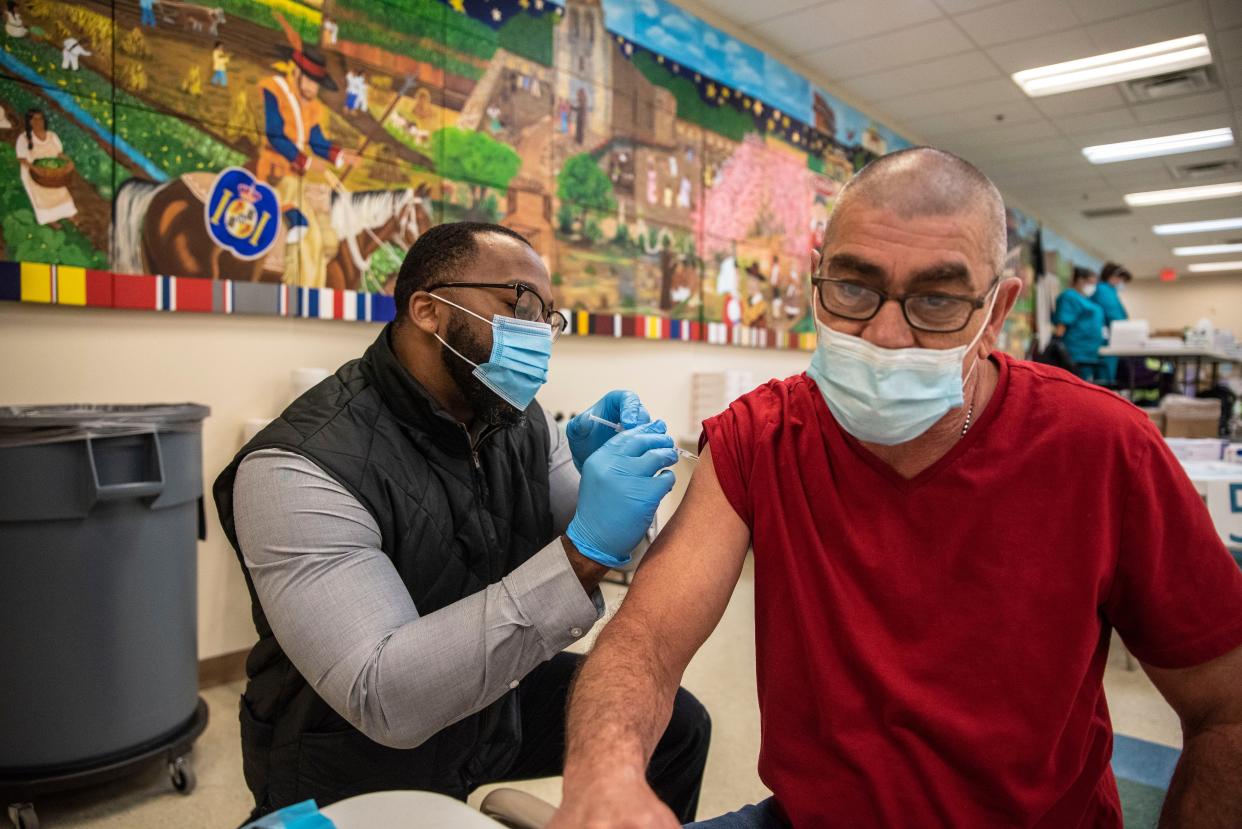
(1113, 281)
(421, 542)
(1080, 323)
(944, 539)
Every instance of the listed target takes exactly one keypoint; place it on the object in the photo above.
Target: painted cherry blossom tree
(760, 192)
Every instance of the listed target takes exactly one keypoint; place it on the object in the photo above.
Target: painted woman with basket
(45, 170)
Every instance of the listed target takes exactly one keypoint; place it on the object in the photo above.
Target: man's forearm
(620, 705)
(1205, 791)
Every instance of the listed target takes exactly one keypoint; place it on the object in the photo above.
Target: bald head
(922, 181)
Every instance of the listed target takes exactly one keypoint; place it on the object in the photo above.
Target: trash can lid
(24, 425)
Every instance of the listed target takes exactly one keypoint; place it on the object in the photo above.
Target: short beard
(487, 406)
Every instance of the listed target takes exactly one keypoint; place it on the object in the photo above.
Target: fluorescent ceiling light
(1181, 194)
(1197, 227)
(1114, 67)
(1206, 250)
(1186, 142)
(1208, 267)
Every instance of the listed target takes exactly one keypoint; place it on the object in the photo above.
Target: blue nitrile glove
(304, 815)
(585, 435)
(620, 491)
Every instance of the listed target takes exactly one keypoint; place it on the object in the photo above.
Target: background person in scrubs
(1113, 279)
(1080, 323)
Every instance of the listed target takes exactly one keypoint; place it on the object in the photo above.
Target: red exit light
(1168, 275)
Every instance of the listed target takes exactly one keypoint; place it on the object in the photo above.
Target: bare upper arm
(684, 583)
(1203, 695)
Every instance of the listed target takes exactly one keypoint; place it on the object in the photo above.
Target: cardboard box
(1184, 427)
(1156, 416)
(1190, 417)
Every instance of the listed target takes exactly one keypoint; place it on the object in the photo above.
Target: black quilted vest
(453, 520)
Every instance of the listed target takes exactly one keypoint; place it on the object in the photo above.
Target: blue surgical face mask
(889, 395)
(518, 367)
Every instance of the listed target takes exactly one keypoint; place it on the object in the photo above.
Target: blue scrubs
(1109, 300)
(1084, 331)
(1107, 297)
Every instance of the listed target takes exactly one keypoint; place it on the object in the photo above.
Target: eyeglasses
(931, 312)
(527, 304)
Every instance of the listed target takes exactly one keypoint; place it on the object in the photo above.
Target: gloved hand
(620, 491)
(585, 435)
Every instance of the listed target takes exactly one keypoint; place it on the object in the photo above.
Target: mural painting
(1022, 234)
(661, 168)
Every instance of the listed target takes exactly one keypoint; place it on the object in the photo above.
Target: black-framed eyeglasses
(527, 304)
(932, 312)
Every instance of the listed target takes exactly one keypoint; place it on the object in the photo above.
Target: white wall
(239, 366)
(1174, 305)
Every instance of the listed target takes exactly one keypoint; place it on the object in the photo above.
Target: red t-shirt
(931, 651)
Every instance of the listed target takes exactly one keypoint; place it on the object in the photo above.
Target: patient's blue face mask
(518, 366)
(889, 395)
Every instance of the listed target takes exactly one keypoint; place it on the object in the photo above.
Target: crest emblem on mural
(242, 213)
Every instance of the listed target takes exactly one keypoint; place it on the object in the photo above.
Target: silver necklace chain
(970, 413)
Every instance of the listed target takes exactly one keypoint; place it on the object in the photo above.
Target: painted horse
(160, 228)
(366, 221)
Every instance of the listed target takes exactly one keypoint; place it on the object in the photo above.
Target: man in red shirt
(944, 539)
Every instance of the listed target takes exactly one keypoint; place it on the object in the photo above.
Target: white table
(405, 810)
(1180, 354)
(1172, 353)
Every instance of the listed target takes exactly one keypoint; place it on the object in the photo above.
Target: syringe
(616, 427)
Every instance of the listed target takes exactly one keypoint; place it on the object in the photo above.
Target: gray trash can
(100, 509)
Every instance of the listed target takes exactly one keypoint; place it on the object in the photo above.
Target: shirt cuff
(549, 595)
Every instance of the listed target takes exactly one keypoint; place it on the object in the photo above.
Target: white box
(1191, 450)
(1128, 334)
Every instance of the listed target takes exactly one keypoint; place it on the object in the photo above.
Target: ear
(1007, 293)
(816, 256)
(424, 311)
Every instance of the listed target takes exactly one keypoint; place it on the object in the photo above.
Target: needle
(616, 427)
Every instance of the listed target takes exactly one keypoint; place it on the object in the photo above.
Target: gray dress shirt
(347, 622)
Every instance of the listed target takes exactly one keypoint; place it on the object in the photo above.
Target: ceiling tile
(1088, 122)
(963, 6)
(1035, 171)
(1226, 13)
(1010, 133)
(835, 22)
(1153, 26)
(1045, 148)
(1111, 135)
(900, 48)
(1093, 11)
(934, 74)
(1019, 112)
(952, 99)
(1123, 177)
(1041, 51)
(746, 12)
(1084, 100)
(1231, 73)
(1017, 20)
(1207, 103)
(1228, 44)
